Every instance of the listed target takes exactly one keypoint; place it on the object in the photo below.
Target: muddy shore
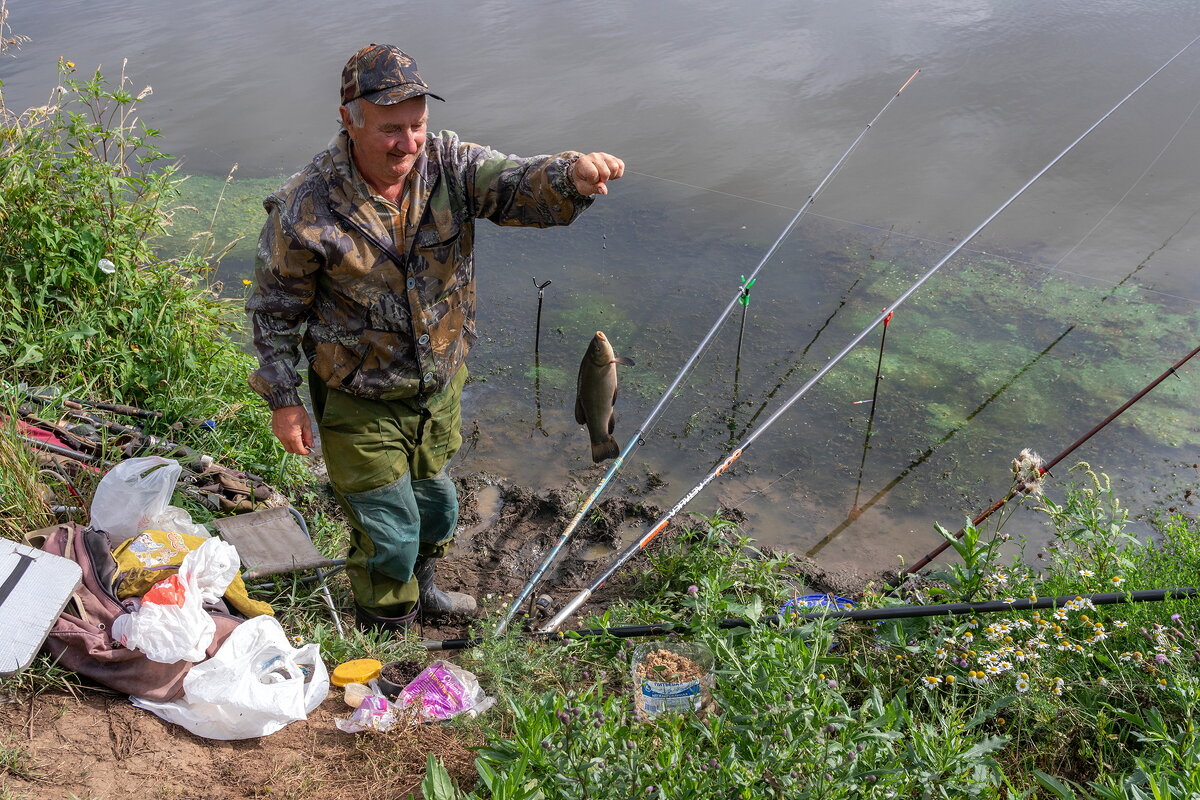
(506, 530)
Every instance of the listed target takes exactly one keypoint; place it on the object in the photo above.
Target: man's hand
(293, 429)
(591, 171)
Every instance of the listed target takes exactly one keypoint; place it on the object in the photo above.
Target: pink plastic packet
(374, 713)
(443, 690)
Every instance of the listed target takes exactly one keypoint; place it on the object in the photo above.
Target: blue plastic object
(805, 602)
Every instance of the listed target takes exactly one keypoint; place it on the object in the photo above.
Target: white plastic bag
(131, 494)
(255, 684)
(171, 624)
(175, 520)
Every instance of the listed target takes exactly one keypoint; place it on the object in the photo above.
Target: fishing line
(636, 439)
(1014, 260)
(1056, 267)
(662, 523)
(1132, 186)
(709, 189)
(1045, 468)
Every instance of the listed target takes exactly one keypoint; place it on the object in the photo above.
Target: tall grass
(86, 303)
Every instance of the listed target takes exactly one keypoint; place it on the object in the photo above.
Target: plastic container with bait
(671, 677)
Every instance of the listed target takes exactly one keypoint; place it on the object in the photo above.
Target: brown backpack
(80, 639)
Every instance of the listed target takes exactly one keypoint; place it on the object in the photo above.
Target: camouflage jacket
(375, 318)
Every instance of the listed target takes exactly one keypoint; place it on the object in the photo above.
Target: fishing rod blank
(1045, 468)
(860, 614)
(637, 437)
(662, 523)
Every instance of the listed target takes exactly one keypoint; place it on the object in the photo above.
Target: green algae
(215, 213)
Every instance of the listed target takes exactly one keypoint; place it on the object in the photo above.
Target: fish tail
(603, 450)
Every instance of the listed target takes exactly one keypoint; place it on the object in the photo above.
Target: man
(366, 263)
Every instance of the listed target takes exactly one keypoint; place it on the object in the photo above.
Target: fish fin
(612, 422)
(605, 450)
(580, 416)
(625, 360)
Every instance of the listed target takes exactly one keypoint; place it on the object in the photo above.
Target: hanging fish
(595, 395)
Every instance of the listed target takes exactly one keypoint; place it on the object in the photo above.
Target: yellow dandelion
(246, 282)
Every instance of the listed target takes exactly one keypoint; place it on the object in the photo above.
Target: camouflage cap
(384, 75)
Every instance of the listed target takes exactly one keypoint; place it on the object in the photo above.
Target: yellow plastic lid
(360, 670)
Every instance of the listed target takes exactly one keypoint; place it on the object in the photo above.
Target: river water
(728, 116)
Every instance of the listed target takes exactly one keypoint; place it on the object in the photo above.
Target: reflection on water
(1069, 303)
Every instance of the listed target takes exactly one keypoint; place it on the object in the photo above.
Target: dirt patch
(506, 532)
(97, 745)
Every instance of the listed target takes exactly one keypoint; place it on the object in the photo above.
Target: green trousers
(387, 465)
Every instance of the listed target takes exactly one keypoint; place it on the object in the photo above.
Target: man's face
(391, 137)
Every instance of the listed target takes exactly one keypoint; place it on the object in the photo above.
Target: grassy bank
(1077, 701)
(88, 305)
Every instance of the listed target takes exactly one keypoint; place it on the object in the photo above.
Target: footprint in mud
(506, 533)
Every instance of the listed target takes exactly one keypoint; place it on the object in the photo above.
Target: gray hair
(355, 109)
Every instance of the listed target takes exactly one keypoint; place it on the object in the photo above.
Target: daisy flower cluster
(1012, 648)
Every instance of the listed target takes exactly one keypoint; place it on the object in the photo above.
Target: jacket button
(412, 282)
(429, 377)
(424, 339)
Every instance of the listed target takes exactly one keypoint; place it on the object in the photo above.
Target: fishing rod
(860, 614)
(50, 395)
(799, 361)
(862, 463)
(140, 442)
(856, 511)
(637, 437)
(1022, 488)
(537, 333)
(47, 395)
(662, 523)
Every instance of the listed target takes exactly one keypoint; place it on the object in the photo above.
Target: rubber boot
(434, 600)
(368, 620)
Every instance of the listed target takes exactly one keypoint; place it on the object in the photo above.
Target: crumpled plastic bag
(254, 685)
(131, 494)
(444, 690)
(179, 520)
(374, 714)
(171, 624)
